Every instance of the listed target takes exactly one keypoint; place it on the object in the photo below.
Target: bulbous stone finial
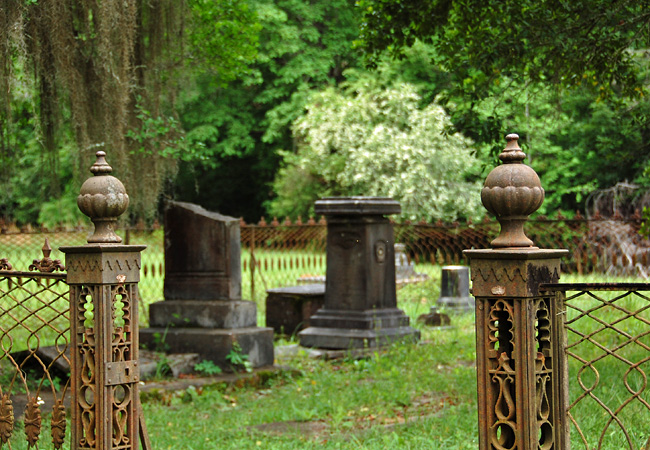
(512, 191)
(103, 199)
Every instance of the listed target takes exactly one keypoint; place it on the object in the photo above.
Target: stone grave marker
(203, 311)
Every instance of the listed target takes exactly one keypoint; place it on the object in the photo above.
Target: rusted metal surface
(522, 396)
(588, 287)
(519, 365)
(103, 277)
(103, 199)
(89, 313)
(33, 315)
(47, 264)
(607, 352)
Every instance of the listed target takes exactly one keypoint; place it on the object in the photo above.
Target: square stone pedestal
(360, 308)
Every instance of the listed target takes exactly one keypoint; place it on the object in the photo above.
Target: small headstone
(404, 269)
(454, 289)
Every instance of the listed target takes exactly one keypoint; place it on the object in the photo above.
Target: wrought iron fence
(608, 352)
(278, 254)
(50, 361)
(34, 351)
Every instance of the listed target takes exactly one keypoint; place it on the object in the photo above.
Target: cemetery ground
(406, 396)
(409, 395)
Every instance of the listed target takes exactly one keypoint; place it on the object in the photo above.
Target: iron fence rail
(284, 254)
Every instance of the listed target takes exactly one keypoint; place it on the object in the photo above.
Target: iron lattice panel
(608, 351)
(34, 347)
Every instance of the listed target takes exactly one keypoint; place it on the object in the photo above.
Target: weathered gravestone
(203, 311)
(360, 307)
(454, 289)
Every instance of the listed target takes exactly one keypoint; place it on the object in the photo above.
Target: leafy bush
(366, 139)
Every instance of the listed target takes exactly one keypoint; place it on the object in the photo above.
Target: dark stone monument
(288, 309)
(454, 289)
(360, 296)
(203, 311)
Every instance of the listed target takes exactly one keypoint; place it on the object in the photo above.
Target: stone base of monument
(209, 328)
(338, 329)
(213, 344)
(203, 313)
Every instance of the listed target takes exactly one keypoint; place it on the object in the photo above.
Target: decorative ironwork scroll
(103, 283)
(501, 363)
(521, 396)
(47, 264)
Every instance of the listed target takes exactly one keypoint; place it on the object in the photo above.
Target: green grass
(407, 396)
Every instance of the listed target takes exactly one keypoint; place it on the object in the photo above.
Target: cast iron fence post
(103, 277)
(521, 369)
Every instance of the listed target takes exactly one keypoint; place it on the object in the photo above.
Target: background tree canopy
(226, 103)
(365, 139)
(76, 76)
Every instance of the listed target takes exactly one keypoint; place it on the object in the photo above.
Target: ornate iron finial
(5, 264)
(512, 191)
(47, 264)
(103, 199)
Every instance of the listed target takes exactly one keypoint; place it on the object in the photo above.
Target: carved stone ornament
(103, 199)
(512, 191)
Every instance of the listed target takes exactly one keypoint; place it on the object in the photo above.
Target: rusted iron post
(103, 277)
(522, 389)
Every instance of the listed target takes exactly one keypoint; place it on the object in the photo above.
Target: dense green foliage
(217, 95)
(303, 46)
(365, 139)
(76, 77)
(541, 41)
(569, 77)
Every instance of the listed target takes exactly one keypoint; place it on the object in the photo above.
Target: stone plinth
(203, 311)
(288, 309)
(360, 307)
(454, 290)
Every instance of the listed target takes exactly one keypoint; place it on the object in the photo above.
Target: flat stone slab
(50, 357)
(340, 338)
(289, 309)
(357, 206)
(178, 363)
(213, 344)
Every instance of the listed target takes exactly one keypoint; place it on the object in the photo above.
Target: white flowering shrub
(365, 140)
